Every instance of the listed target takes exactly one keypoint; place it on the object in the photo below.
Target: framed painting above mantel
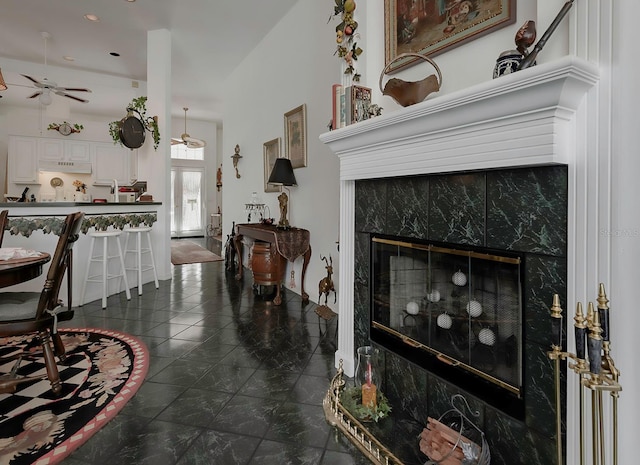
(430, 27)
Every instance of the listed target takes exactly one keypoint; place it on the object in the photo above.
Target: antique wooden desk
(289, 243)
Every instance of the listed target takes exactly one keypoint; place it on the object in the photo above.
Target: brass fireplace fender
(338, 416)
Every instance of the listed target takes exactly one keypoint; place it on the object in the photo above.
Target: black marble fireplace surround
(523, 210)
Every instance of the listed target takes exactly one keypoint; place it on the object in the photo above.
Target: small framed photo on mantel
(295, 136)
(357, 103)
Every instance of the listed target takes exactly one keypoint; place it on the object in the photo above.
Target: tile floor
(233, 379)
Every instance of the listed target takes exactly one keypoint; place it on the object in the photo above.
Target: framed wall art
(430, 27)
(295, 136)
(271, 151)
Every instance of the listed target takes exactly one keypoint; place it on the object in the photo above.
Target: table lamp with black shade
(282, 175)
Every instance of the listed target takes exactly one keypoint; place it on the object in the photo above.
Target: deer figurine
(326, 284)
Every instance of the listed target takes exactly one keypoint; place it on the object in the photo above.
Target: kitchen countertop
(35, 225)
(66, 204)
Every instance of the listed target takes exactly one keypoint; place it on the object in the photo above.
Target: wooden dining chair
(37, 313)
(4, 219)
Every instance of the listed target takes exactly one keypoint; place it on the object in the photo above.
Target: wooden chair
(4, 219)
(24, 313)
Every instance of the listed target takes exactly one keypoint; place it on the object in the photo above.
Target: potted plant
(138, 105)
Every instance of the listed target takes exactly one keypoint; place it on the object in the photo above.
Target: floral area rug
(184, 252)
(103, 370)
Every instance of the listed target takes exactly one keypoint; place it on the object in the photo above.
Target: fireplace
(480, 167)
(456, 311)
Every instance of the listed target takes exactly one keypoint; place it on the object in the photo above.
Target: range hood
(64, 166)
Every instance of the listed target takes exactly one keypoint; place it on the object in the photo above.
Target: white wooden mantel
(522, 119)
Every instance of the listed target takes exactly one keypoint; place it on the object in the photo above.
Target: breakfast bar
(36, 225)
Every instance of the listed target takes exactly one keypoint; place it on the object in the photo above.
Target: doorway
(187, 194)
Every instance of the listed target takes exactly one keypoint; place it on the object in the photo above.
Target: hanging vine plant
(150, 123)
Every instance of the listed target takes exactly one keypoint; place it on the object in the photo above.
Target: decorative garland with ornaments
(347, 47)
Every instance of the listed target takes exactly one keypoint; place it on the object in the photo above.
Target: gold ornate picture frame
(295, 136)
(271, 151)
(434, 26)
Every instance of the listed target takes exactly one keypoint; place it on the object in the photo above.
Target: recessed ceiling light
(114, 54)
(131, 1)
(68, 58)
(91, 17)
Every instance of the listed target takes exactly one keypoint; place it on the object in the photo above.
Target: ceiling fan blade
(11, 84)
(34, 80)
(73, 89)
(35, 94)
(194, 143)
(72, 97)
(175, 141)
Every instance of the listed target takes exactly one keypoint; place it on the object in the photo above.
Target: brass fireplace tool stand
(597, 374)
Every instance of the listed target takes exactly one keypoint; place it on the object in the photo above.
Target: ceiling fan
(46, 87)
(186, 139)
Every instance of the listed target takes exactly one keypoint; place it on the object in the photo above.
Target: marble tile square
(408, 206)
(215, 447)
(299, 423)
(457, 208)
(527, 210)
(246, 415)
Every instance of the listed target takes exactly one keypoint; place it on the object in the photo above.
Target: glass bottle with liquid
(368, 374)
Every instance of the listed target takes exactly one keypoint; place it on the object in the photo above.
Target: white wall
(296, 64)
(153, 165)
(292, 66)
(625, 241)
(25, 121)
(33, 120)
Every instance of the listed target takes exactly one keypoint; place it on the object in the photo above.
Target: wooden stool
(104, 276)
(139, 251)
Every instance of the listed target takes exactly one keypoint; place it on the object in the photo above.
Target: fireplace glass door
(462, 307)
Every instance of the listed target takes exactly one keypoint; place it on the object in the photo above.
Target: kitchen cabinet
(106, 161)
(64, 150)
(22, 163)
(112, 161)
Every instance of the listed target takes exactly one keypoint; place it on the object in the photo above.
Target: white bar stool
(104, 276)
(139, 251)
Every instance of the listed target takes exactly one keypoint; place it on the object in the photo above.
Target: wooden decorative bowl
(408, 93)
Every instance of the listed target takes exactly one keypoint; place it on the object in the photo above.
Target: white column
(156, 164)
(621, 18)
(592, 202)
(345, 350)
